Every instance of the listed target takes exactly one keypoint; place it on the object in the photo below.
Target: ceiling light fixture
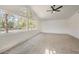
(54, 11)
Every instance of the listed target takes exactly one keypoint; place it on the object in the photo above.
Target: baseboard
(54, 32)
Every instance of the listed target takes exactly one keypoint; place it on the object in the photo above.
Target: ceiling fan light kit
(54, 9)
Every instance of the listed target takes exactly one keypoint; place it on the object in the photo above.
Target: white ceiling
(16, 9)
(66, 12)
(41, 11)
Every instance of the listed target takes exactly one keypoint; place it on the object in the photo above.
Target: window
(15, 23)
(33, 25)
(22, 24)
(2, 27)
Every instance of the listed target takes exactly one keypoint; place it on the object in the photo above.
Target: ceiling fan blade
(52, 7)
(58, 10)
(59, 7)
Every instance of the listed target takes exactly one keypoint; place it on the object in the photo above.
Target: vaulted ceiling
(15, 9)
(40, 11)
(66, 12)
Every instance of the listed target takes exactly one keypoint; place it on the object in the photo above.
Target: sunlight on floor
(47, 51)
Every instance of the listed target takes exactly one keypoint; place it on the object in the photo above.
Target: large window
(14, 22)
(17, 23)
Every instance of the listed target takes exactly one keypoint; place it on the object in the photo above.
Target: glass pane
(17, 23)
(2, 27)
(22, 23)
(33, 25)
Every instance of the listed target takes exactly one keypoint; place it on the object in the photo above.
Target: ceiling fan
(54, 9)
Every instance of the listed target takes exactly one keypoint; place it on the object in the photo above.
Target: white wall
(54, 26)
(74, 25)
(67, 26)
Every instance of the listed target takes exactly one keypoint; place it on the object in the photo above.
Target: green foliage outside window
(21, 24)
(10, 24)
(1, 25)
